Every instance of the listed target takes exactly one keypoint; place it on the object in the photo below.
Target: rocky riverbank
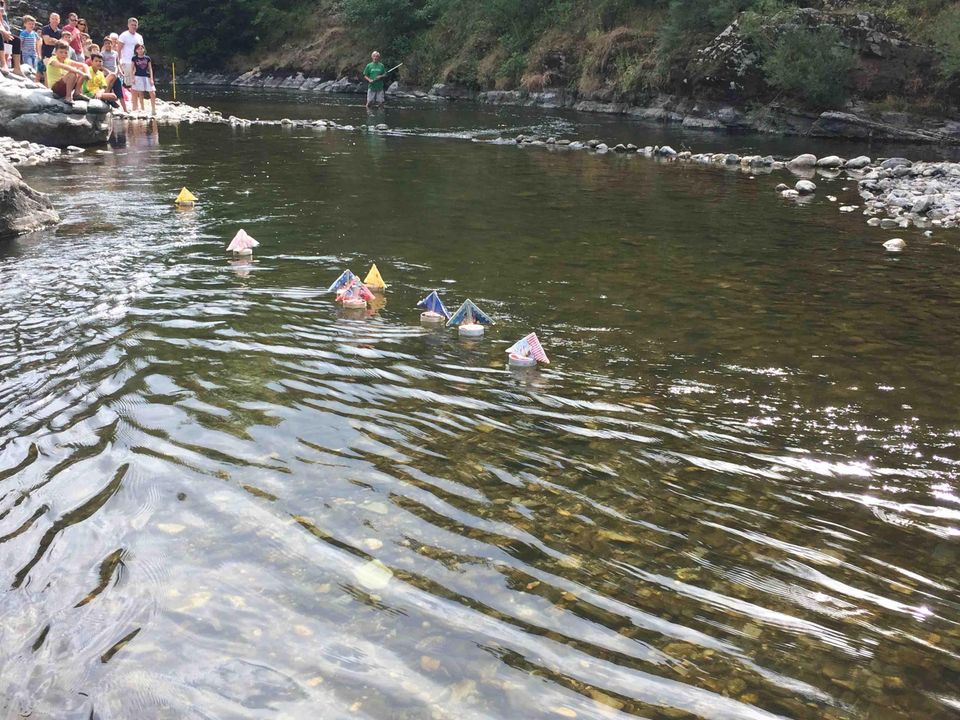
(857, 124)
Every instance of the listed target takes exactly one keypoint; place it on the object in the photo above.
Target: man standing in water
(373, 73)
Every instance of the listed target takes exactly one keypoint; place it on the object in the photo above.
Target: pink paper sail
(242, 242)
(355, 290)
(530, 347)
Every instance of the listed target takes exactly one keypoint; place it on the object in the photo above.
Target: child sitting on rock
(64, 76)
(98, 85)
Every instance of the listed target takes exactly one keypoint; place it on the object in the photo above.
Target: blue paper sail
(469, 313)
(433, 303)
(342, 281)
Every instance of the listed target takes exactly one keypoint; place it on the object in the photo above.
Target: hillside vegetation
(891, 53)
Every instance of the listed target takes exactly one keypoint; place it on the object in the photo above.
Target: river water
(732, 495)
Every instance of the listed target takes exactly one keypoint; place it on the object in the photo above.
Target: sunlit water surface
(732, 495)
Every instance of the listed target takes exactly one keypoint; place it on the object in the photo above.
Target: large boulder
(31, 112)
(22, 209)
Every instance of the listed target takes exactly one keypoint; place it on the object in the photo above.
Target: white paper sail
(242, 241)
(341, 282)
(469, 313)
(529, 346)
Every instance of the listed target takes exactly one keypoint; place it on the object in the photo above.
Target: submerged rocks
(22, 209)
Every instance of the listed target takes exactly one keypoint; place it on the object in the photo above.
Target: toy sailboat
(341, 282)
(469, 319)
(527, 352)
(242, 243)
(355, 295)
(185, 198)
(434, 309)
(374, 281)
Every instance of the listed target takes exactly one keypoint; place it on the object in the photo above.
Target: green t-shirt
(375, 70)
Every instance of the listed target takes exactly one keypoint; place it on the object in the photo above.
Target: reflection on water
(732, 495)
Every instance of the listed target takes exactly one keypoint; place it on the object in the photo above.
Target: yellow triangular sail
(373, 280)
(185, 197)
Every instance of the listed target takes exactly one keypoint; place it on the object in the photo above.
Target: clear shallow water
(732, 495)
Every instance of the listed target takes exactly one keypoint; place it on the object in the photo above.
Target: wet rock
(666, 151)
(805, 187)
(857, 163)
(895, 163)
(22, 209)
(803, 161)
(831, 161)
(895, 245)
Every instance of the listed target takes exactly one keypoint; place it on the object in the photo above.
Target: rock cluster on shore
(29, 111)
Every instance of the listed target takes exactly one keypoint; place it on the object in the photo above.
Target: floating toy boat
(355, 296)
(341, 282)
(469, 320)
(185, 198)
(242, 243)
(374, 281)
(527, 352)
(434, 310)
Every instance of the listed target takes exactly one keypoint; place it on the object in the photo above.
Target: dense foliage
(621, 46)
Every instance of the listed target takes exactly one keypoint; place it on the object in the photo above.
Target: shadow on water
(732, 494)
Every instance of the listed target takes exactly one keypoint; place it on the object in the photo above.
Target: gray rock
(895, 163)
(857, 163)
(805, 187)
(831, 161)
(666, 151)
(781, 187)
(22, 209)
(803, 161)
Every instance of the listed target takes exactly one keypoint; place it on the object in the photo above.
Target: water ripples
(222, 497)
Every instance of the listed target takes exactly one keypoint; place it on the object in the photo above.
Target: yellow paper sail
(374, 281)
(185, 197)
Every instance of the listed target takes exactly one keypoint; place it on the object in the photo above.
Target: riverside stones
(805, 187)
(22, 209)
(857, 163)
(831, 161)
(803, 162)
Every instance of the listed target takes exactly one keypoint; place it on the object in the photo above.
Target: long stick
(174, 66)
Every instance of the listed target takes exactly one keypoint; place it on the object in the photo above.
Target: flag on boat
(433, 303)
(469, 313)
(242, 241)
(185, 197)
(342, 281)
(529, 346)
(374, 280)
(355, 289)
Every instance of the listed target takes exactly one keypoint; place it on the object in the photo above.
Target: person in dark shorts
(49, 35)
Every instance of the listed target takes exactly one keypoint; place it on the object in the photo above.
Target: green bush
(810, 65)
(945, 34)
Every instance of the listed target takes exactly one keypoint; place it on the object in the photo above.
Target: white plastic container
(431, 318)
(521, 361)
(470, 330)
(355, 304)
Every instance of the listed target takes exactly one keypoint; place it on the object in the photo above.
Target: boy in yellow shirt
(63, 75)
(96, 85)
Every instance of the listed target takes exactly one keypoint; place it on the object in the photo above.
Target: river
(731, 495)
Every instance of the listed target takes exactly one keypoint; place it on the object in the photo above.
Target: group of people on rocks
(67, 60)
